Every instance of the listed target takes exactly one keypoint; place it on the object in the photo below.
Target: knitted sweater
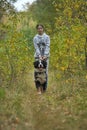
(41, 45)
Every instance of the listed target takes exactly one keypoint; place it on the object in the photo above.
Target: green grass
(2, 93)
(62, 107)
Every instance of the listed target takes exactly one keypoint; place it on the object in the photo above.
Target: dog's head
(40, 64)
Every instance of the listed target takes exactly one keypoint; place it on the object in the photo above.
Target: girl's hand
(41, 58)
(44, 57)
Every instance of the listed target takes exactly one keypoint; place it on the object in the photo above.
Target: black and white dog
(40, 73)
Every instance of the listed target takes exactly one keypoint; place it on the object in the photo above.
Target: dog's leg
(39, 90)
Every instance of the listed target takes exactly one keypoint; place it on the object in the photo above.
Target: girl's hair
(39, 25)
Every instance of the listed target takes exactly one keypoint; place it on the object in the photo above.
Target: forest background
(65, 22)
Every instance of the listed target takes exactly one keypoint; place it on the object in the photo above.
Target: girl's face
(40, 30)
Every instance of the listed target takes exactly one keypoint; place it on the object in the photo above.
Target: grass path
(62, 107)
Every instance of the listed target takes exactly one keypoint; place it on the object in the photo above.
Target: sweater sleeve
(37, 51)
(47, 49)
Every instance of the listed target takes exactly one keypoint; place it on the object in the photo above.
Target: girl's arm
(36, 47)
(47, 49)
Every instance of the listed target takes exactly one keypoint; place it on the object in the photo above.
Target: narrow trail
(54, 110)
(45, 110)
(42, 107)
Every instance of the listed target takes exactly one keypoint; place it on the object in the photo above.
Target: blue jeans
(46, 75)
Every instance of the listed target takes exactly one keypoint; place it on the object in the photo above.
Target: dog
(40, 73)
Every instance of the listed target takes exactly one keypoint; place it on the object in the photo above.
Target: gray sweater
(42, 45)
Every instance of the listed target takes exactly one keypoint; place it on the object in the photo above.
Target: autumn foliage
(64, 105)
(65, 21)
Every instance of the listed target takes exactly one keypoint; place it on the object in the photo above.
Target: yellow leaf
(66, 81)
(86, 77)
(62, 68)
(58, 76)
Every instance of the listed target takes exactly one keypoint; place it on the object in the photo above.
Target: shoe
(44, 91)
(39, 93)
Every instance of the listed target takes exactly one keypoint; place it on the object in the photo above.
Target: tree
(66, 21)
(6, 8)
(43, 12)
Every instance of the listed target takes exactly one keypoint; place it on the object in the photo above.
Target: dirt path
(57, 109)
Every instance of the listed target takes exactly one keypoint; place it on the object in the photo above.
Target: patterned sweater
(41, 45)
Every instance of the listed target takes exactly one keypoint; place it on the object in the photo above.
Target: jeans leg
(45, 85)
